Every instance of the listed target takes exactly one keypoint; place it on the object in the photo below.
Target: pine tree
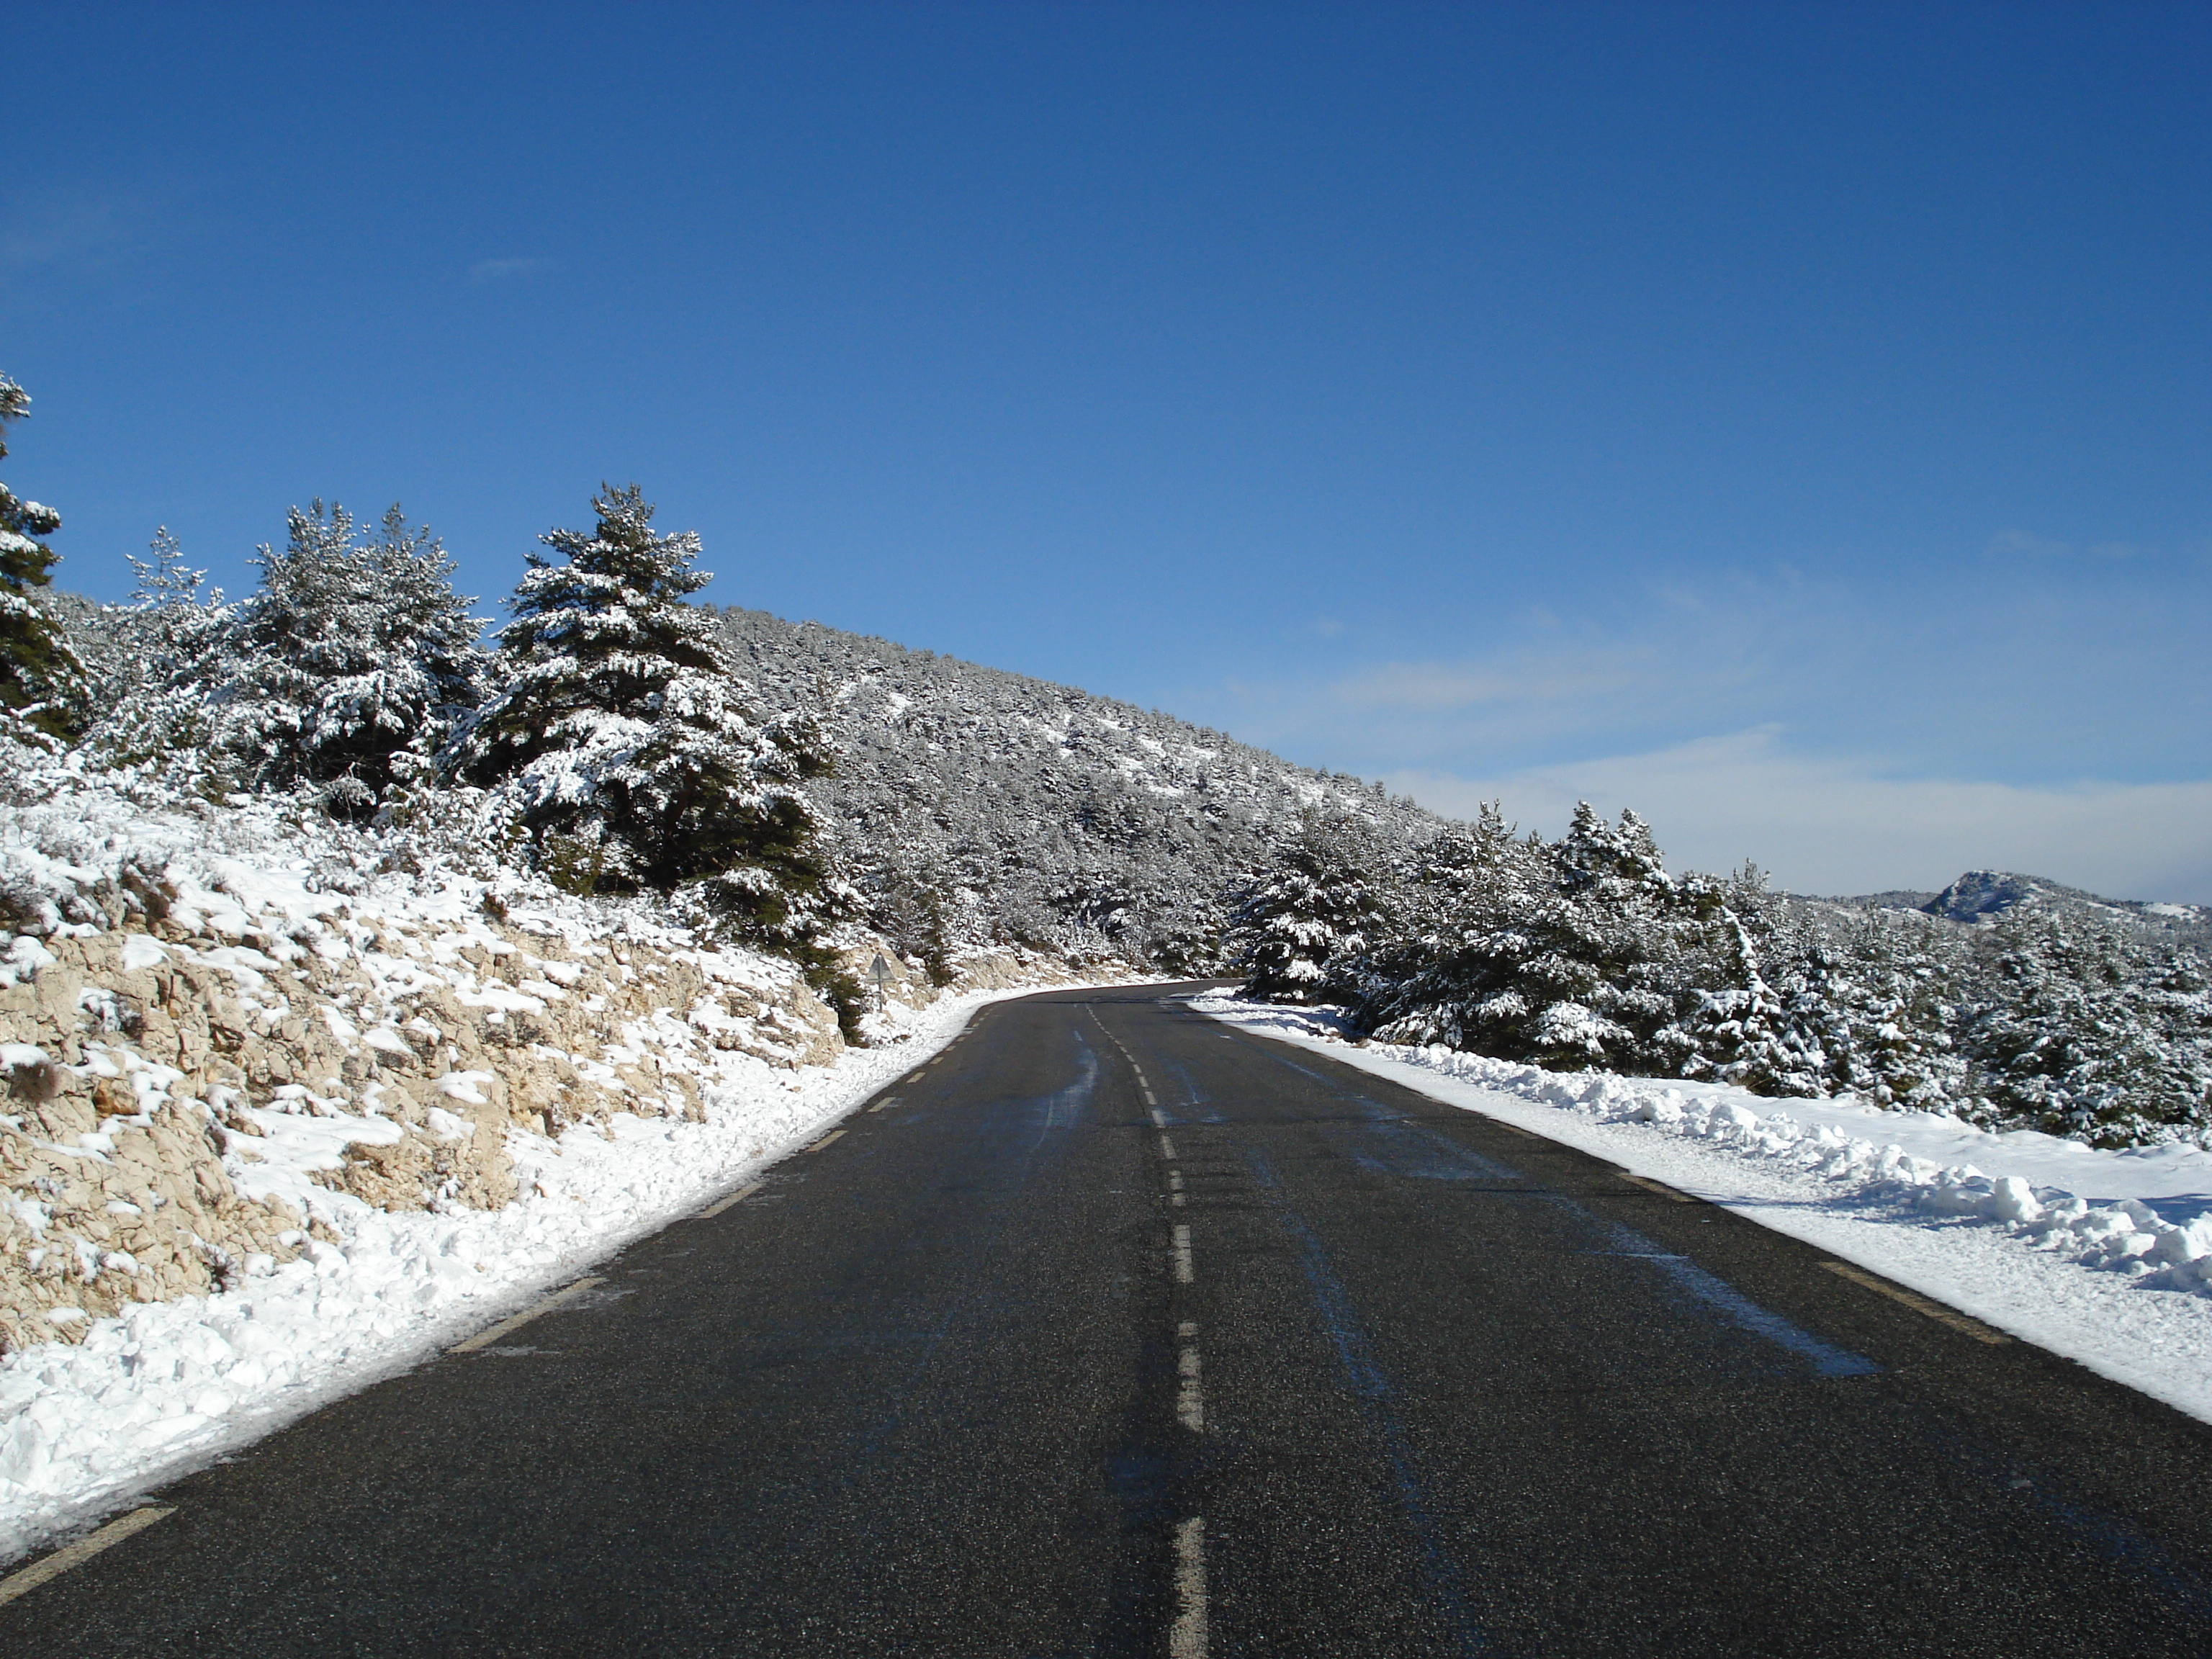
(354, 654)
(1765, 1037)
(41, 681)
(1582, 952)
(2080, 1030)
(1318, 905)
(627, 749)
(157, 662)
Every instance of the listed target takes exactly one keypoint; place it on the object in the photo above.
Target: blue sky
(1789, 420)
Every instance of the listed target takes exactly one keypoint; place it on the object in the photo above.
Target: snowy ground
(2104, 1257)
(168, 1386)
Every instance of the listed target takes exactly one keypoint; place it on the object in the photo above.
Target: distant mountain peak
(1979, 894)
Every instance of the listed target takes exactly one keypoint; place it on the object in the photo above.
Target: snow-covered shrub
(1581, 952)
(154, 665)
(2078, 1029)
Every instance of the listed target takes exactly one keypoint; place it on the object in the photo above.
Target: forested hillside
(970, 804)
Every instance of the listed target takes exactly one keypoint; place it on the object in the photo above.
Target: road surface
(1114, 1331)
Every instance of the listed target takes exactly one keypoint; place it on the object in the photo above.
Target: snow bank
(2103, 1256)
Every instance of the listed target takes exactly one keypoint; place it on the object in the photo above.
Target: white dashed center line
(1187, 1636)
(1190, 1404)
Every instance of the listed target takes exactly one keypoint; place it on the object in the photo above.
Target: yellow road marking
(24, 1580)
(485, 1339)
(1918, 1304)
(722, 1204)
(1659, 1188)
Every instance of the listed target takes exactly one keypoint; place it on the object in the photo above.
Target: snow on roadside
(2104, 1257)
(166, 1385)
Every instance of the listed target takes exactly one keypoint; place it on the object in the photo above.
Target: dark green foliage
(355, 657)
(628, 750)
(41, 681)
(1318, 903)
(1585, 952)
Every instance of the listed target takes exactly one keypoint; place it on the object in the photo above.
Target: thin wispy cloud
(1435, 688)
(2025, 544)
(499, 270)
(57, 232)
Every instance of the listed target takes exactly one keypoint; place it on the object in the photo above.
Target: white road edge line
(515, 1321)
(1184, 1272)
(24, 1580)
(722, 1204)
(1187, 1636)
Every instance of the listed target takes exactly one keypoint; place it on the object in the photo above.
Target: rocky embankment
(194, 1095)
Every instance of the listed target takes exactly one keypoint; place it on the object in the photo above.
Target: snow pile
(2104, 1256)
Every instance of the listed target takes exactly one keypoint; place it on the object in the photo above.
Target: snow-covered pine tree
(2080, 1030)
(1318, 905)
(355, 652)
(1435, 976)
(41, 681)
(627, 749)
(1575, 953)
(154, 663)
(1885, 989)
(1740, 1029)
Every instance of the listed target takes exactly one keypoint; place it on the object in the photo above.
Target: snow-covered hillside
(1980, 897)
(974, 805)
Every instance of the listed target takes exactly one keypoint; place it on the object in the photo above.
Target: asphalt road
(1112, 1331)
